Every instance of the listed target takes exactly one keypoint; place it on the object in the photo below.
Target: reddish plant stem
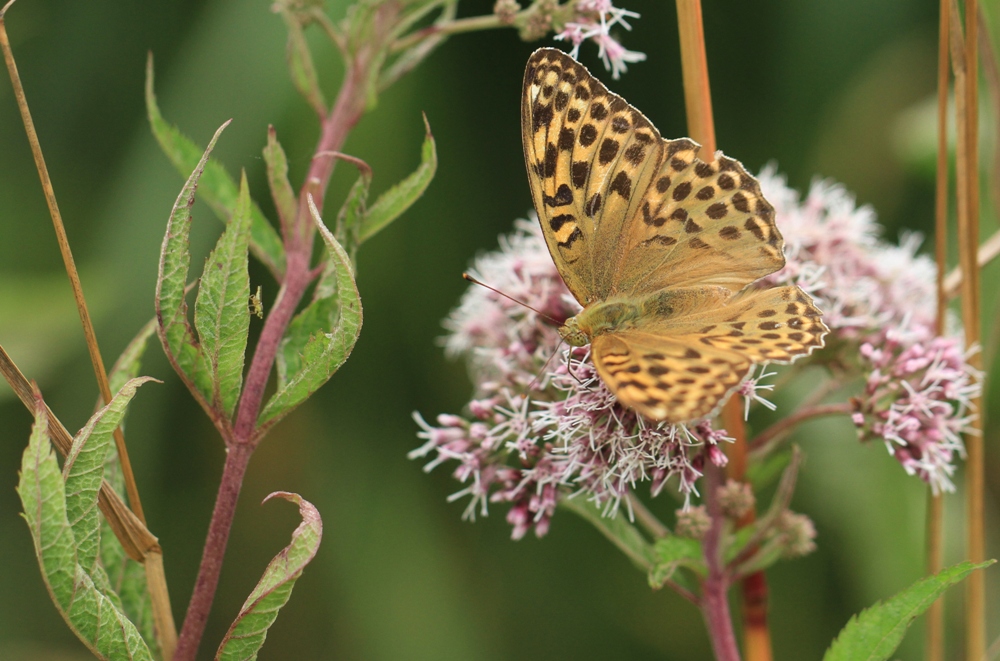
(715, 587)
(347, 110)
(786, 425)
(215, 548)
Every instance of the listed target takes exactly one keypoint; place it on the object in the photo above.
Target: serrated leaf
(176, 334)
(277, 178)
(875, 633)
(219, 190)
(320, 316)
(616, 528)
(672, 553)
(130, 361)
(352, 213)
(94, 618)
(221, 316)
(83, 473)
(127, 580)
(247, 633)
(391, 204)
(324, 351)
(300, 64)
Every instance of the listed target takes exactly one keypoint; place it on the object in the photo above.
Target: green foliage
(125, 577)
(874, 634)
(672, 553)
(352, 213)
(277, 178)
(219, 190)
(391, 204)
(221, 316)
(324, 348)
(617, 529)
(300, 63)
(176, 335)
(247, 633)
(61, 512)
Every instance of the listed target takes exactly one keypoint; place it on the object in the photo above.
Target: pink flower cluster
(542, 425)
(878, 300)
(917, 400)
(594, 21)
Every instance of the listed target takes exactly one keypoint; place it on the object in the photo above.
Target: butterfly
(660, 248)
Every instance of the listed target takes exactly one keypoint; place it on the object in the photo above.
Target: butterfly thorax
(621, 313)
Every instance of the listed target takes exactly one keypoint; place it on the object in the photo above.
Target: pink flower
(880, 299)
(537, 433)
(594, 21)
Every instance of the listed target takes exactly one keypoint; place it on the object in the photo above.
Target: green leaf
(323, 352)
(130, 361)
(764, 473)
(277, 178)
(672, 553)
(221, 315)
(219, 190)
(246, 636)
(616, 528)
(876, 632)
(94, 618)
(392, 203)
(83, 473)
(125, 577)
(352, 213)
(176, 334)
(300, 64)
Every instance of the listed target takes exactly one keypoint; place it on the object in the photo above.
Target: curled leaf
(247, 633)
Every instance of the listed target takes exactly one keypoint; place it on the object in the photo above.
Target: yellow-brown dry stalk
(154, 566)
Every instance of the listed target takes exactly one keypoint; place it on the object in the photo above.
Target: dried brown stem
(964, 64)
(156, 581)
(934, 538)
(138, 543)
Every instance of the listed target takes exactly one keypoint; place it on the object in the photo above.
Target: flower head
(593, 20)
(536, 433)
(878, 300)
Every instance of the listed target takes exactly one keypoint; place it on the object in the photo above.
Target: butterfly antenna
(511, 298)
(538, 375)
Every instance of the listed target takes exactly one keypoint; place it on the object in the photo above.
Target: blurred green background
(841, 90)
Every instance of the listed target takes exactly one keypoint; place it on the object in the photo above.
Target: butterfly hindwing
(773, 325)
(666, 378)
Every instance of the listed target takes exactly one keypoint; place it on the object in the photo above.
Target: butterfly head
(573, 334)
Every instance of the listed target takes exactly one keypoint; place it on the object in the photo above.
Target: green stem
(471, 24)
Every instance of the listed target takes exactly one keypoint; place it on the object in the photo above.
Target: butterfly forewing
(588, 152)
(699, 224)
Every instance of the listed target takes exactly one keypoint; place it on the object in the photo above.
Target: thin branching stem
(715, 587)
(649, 522)
(347, 110)
(470, 24)
(764, 442)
